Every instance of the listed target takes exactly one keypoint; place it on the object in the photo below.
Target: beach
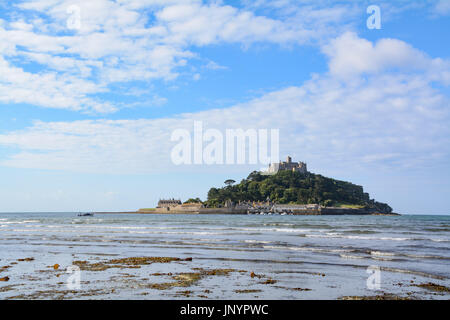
(135, 256)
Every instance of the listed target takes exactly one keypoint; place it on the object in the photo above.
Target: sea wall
(193, 210)
(344, 211)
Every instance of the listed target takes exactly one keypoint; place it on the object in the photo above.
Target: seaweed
(433, 287)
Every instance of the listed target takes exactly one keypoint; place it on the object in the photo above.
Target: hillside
(288, 187)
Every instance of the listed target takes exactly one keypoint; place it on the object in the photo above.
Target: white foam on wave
(106, 227)
(418, 256)
(440, 240)
(198, 233)
(43, 230)
(383, 258)
(179, 232)
(113, 227)
(256, 241)
(337, 235)
(287, 230)
(212, 240)
(418, 273)
(13, 222)
(308, 249)
(382, 253)
(349, 256)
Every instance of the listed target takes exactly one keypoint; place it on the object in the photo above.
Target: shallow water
(327, 255)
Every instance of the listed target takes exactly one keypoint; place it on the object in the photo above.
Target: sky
(92, 92)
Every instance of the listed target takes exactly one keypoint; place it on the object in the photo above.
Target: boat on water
(87, 214)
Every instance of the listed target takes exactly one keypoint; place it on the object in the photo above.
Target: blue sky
(87, 111)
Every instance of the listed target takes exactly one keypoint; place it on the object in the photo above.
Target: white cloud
(127, 40)
(377, 119)
(442, 7)
(212, 65)
(50, 90)
(350, 55)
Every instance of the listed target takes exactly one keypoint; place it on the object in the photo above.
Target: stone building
(168, 203)
(288, 165)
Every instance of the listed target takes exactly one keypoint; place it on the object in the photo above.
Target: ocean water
(291, 257)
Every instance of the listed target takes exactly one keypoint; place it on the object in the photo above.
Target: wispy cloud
(442, 7)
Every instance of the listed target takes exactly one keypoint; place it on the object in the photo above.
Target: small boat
(88, 214)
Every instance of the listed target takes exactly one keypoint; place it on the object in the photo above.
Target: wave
(337, 235)
(278, 224)
(257, 241)
(310, 249)
(360, 231)
(287, 230)
(349, 256)
(417, 273)
(408, 255)
(440, 240)
(385, 259)
(437, 229)
(300, 226)
(181, 232)
(374, 255)
(418, 256)
(17, 222)
(111, 227)
(382, 253)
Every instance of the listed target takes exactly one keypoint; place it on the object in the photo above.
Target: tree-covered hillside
(293, 187)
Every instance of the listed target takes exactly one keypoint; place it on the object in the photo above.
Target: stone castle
(288, 165)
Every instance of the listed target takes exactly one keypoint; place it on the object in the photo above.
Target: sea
(224, 256)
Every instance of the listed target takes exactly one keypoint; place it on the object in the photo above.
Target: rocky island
(285, 188)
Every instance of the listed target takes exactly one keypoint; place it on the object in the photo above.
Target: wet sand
(185, 277)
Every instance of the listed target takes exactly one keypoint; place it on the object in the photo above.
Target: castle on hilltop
(288, 165)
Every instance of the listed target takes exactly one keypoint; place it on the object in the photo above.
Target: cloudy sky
(91, 92)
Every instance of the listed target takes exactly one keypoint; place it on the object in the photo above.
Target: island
(286, 188)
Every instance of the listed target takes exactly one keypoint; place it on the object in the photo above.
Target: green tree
(196, 200)
(229, 182)
(294, 187)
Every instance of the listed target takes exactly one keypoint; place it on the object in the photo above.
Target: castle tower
(288, 165)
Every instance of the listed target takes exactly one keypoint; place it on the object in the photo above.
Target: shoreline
(174, 212)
